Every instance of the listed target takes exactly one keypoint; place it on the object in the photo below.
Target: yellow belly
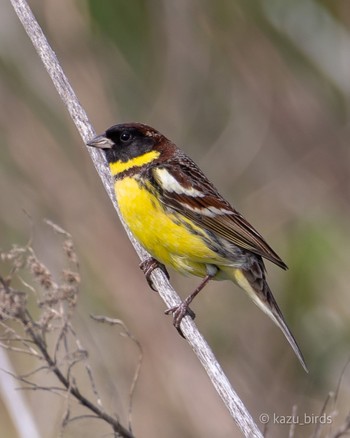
(163, 235)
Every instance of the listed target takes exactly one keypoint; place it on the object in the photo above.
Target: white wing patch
(170, 184)
(208, 211)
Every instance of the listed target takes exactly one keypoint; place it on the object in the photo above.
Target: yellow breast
(163, 234)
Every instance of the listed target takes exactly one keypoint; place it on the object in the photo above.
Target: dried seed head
(12, 302)
(40, 272)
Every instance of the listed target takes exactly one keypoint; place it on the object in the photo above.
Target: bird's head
(130, 145)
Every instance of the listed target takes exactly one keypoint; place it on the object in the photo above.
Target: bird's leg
(182, 309)
(148, 266)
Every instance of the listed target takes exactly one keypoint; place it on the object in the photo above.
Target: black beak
(100, 141)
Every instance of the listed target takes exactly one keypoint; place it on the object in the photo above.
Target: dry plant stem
(233, 403)
(37, 338)
(74, 390)
(127, 333)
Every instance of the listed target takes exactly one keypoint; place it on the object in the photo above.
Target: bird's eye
(125, 136)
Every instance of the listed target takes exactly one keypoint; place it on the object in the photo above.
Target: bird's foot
(178, 313)
(148, 266)
(183, 308)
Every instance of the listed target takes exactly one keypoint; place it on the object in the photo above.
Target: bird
(180, 218)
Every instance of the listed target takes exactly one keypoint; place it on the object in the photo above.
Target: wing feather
(184, 188)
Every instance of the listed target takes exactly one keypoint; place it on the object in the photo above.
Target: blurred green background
(258, 94)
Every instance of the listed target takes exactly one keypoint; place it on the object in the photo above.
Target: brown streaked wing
(230, 225)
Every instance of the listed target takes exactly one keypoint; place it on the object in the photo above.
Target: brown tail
(253, 281)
